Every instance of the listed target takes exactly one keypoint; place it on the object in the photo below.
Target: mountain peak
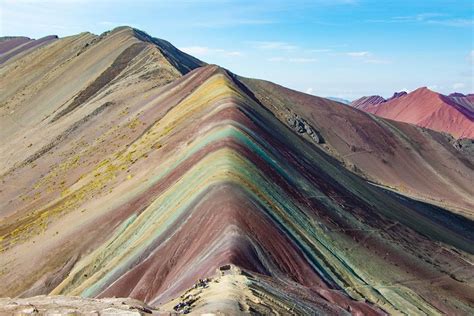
(122, 28)
(457, 95)
(423, 89)
(397, 95)
(180, 60)
(367, 101)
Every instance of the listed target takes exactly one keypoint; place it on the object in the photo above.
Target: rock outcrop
(301, 126)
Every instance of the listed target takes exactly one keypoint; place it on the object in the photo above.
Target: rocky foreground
(73, 305)
(230, 291)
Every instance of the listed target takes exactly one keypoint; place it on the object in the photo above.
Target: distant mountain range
(340, 100)
(453, 113)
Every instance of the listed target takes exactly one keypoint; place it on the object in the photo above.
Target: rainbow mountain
(133, 170)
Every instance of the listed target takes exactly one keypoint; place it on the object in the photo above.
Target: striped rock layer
(10, 47)
(131, 169)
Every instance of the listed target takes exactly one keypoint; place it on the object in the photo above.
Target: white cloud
(276, 59)
(377, 61)
(296, 60)
(453, 22)
(274, 45)
(108, 23)
(470, 57)
(203, 51)
(428, 18)
(213, 23)
(196, 50)
(322, 50)
(458, 85)
(418, 17)
(302, 60)
(367, 57)
(45, 2)
(234, 53)
(309, 91)
(358, 54)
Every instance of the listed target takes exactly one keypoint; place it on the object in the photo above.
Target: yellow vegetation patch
(216, 87)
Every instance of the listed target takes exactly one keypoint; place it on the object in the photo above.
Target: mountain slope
(374, 100)
(464, 101)
(425, 108)
(416, 162)
(151, 183)
(13, 46)
(366, 102)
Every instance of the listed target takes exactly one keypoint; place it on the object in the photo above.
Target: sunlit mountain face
(138, 179)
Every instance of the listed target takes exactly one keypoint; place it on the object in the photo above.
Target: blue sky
(341, 48)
